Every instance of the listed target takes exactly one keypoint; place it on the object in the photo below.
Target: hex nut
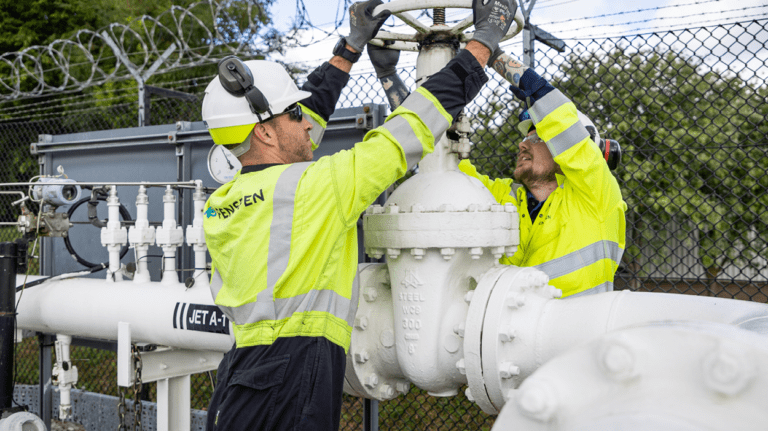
(729, 370)
(618, 360)
(371, 381)
(387, 391)
(370, 294)
(537, 401)
(361, 357)
(417, 253)
(460, 365)
(507, 370)
(361, 323)
(515, 300)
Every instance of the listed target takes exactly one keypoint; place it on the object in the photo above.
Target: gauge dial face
(222, 165)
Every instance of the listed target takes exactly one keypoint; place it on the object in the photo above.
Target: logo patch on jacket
(226, 211)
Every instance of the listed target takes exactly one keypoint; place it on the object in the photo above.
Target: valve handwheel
(411, 42)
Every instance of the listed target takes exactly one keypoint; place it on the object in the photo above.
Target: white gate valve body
(437, 244)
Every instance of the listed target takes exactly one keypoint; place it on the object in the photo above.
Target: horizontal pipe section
(168, 315)
(566, 323)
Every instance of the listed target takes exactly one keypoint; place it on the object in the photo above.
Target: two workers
(284, 260)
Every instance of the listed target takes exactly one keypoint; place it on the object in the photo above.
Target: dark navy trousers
(294, 384)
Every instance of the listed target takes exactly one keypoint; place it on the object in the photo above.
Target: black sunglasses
(293, 110)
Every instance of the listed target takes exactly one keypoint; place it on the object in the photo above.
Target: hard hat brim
(525, 126)
(231, 135)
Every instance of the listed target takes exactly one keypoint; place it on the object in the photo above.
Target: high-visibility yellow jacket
(283, 238)
(578, 237)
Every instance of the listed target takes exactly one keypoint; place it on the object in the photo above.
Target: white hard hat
(526, 123)
(229, 117)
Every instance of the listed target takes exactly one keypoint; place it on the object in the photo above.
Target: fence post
(528, 35)
(8, 266)
(140, 78)
(370, 415)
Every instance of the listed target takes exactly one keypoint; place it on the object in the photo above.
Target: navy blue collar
(534, 206)
(256, 168)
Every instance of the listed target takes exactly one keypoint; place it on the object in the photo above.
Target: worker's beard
(530, 179)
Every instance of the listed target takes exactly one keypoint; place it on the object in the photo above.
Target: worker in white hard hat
(282, 234)
(572, 224)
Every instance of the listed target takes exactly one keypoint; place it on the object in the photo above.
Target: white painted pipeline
(563, 324)
(163, 314)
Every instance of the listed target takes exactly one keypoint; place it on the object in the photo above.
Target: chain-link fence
(688, 107)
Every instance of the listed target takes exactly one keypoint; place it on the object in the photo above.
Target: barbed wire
(201, 33)
(179, 37)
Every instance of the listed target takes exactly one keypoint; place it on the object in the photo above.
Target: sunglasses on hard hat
(294, 111)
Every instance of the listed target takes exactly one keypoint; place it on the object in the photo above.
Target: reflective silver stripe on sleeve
(404, 135)
(581, 258)
(602, 288)
(429, 114)
(545, 105)
(316, 134)
(567, 139)
(315, 300)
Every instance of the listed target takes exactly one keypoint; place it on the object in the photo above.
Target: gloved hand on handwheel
(492, 19)
(384, 60)
(363, 26)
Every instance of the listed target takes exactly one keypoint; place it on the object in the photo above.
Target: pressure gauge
(222, 165)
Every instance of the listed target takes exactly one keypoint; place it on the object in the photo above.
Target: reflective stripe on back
(314, 300)
(282, 224)
(581, 258)
(279, 250)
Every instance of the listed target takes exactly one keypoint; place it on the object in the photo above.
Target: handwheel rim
(411, 42)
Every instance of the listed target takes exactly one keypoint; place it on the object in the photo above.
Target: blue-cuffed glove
(530, 83)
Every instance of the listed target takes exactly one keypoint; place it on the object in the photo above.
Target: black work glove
(384, 60)
(492, 19)
(363, 26)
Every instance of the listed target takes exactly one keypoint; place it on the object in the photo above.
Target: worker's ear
(265, 133)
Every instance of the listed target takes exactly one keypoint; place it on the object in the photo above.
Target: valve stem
(438, 16)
